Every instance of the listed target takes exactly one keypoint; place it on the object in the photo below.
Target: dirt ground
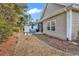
(7, 47)
(28, 45)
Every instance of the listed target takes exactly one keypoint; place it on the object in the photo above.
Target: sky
(35, 10)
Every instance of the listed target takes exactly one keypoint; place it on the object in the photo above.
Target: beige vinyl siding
(75, 24)
(60, 26)
(51, 7)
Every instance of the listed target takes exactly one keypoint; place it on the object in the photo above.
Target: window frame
(53, 25)
(49, 25)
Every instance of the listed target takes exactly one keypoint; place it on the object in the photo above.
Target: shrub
(5, 30)
(16, 29)
(9, 13)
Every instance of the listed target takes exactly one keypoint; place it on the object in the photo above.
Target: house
(60, 20)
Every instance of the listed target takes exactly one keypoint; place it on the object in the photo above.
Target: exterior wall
(75, 24)
(40, 27)
(60, 29)
(51, 7)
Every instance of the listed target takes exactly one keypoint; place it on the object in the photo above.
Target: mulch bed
(60, 44)
(7, 47)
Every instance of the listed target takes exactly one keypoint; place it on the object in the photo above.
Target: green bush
(5, 30)
(9, 14)
(16, 29)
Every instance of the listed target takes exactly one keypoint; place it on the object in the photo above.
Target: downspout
(69, 25)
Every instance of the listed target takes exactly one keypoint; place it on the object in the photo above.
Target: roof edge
(65, 9)
(43, 12)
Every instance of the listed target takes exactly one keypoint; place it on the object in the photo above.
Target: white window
(53, 23)
(48, 25)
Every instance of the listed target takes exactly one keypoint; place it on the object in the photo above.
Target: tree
(28, 19)
(22, 18)
(21, 22)
(9, 14)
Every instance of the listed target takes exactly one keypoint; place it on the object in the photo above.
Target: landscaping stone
(65, 46)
